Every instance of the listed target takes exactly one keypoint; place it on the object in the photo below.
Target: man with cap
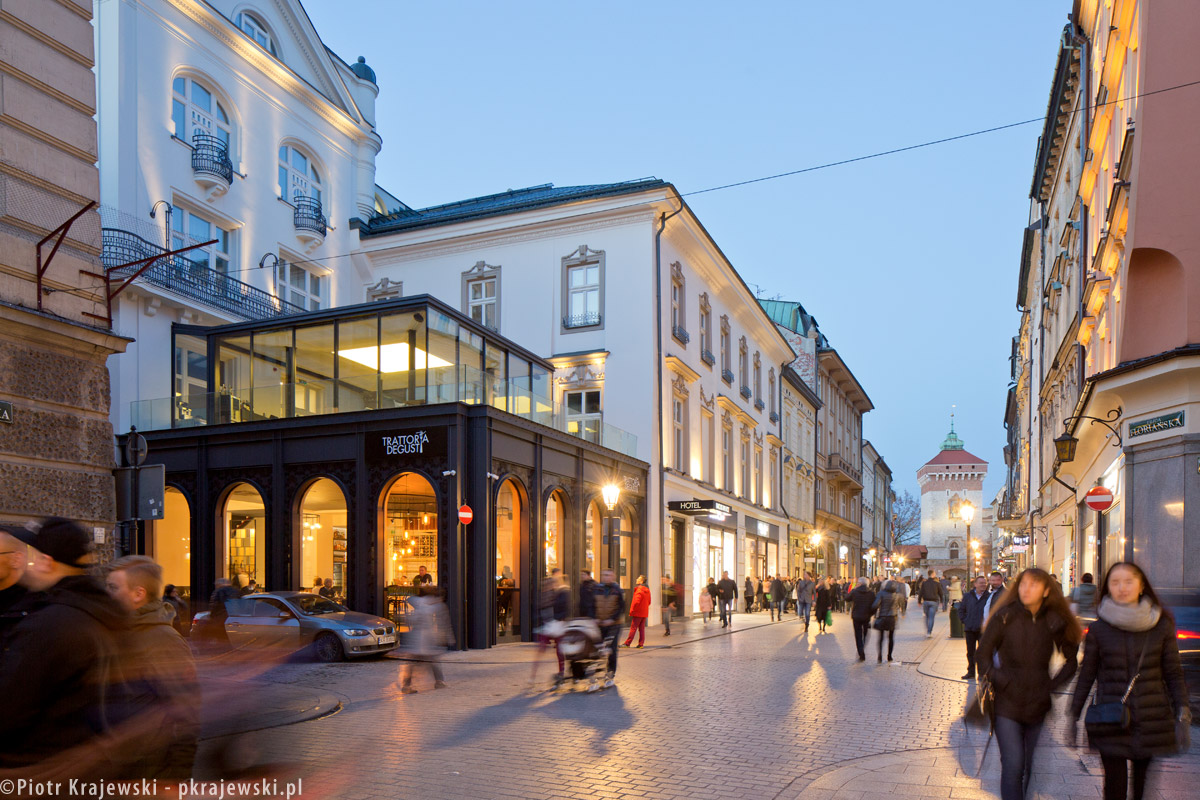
(57, 662)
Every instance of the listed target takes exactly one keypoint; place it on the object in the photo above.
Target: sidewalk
(230, 705)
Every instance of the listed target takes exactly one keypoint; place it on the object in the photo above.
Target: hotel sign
(1156, 425)
(713, 508)
(389, 445)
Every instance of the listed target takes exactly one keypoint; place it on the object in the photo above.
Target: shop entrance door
(715, 562)
(675, 568)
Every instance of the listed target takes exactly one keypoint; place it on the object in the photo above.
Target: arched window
(953, 550)
(298, 176)
(195, 110)
(253, 26)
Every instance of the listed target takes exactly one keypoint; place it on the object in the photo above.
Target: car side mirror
(284, 615)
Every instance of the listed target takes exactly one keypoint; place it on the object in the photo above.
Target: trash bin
(956, 626)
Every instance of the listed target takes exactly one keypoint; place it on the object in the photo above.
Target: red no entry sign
(1099, 498)
(465, 515)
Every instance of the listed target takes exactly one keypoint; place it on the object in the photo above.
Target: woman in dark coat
(823, 603)
(1131, 622)
(885, 607)
(1028, 623)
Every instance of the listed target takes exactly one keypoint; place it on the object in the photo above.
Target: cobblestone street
(764, 712)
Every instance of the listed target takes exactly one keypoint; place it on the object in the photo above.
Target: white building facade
(800, 408)
(950, 479)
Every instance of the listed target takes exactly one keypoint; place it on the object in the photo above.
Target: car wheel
(329, 648)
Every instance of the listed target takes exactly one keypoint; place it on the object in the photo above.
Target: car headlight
(356, 632)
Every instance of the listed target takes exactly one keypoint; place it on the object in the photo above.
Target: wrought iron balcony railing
(680, 334)
(746, 393)
(759, 405)
(210, 157)
(727, 376)
(774, 416)
(581, 320)
(836, 462)
(707, 357)
(308, 216)
(190, 279)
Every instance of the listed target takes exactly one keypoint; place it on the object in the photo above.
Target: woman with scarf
(1028, 623)
(1134, 637)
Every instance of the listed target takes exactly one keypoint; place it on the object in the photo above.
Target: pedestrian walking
(886, 604)
(159, 712)
(931, 599)
(60, 658)
(13, 555)
(824, 603)
(1083, 597)
(1028, 624)
(955, 593)
(608, 606)
(553, 602)
(181, 622)
(668, 602)
(428, 637)
(708, 599)
(748, 594)
(586, 586)
(778, 597)
(970, 611)
(728, 596)
(995, 590)
(218, 611)
(945, 582)
(1132, 656)
(904, 591)
(639, 609)
(804, 598)
(760, 593)
(862, 608)
(789, 587)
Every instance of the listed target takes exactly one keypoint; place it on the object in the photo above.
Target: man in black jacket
(862, 601)
(729, 592)
(59, 659)
(608, 607)
(931, 599)
(970, 611)
(778, 594)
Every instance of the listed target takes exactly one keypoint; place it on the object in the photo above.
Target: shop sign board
(1157, 424)
(404, 444)
(1020, 543)
(6, 412)
(714, 509)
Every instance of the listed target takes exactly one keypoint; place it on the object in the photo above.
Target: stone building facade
(948, 480)
(56, 446)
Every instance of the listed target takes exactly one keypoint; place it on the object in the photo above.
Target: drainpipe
(658, 355)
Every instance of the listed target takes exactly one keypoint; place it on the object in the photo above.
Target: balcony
(842, 471)
(310, 223)
(707, 357)
(759, 405)
(774, 417)
(746, 393)
(727, 376)
(189, 279)
(211, 166)
(589, 320)
(680, 334)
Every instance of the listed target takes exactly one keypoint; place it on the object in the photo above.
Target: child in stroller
(585, 652)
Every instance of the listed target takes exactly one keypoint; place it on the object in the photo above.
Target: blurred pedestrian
(1083, 597)
(218, 612)
(970, 611)
(668, 602)
(60, 658)
(728, 595)
(708, 600)
(181, 622)
(996, 588)
(955, 593)
(608, 603)
(862, 608)
(748, 594)
(329, 593)
(778, 598)
(586, 585)
(13, 556)
(886, 604)
(903, 592)
(931, 599)
(160, 698)
(553, 608)
(945, 582)
(639, 610)
(1027, 626)
(824, 603)
(428, 636)
(804, 598)
(1132, 620)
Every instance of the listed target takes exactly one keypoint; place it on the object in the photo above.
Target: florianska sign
(1156, 425)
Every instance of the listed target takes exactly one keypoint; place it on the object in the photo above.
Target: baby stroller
(584, 651)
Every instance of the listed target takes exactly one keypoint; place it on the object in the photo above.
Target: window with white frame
(253, 27)
(584, 414)
(758, 476)
(678, 306)
(746, 486)
(726, 357)
(771, 393)
(744, 367)
(727, 457)
(706, 344)
(758, 403)
(772, 498)
(301, 285)
(679, 437)
(481, 300)
(194, 110)
(706, 446)
(298, 176)
(188, 228)
(583, 295)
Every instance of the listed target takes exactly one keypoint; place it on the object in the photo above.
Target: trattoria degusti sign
(392, 445)
(1156, 425)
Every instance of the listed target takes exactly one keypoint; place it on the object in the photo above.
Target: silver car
(289, 621)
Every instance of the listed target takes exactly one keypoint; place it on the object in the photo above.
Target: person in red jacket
(639, 609)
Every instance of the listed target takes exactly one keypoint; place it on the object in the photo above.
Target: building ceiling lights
(394, 358)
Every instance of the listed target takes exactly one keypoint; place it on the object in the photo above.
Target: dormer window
(253, 27)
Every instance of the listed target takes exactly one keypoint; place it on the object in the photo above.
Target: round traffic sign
(135, 449)
(1099, 498)
(465, 515)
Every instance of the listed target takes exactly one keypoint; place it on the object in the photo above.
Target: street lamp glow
(815, 539)
(975, 543)
(967, 512)
(871, 552)
(611, 494)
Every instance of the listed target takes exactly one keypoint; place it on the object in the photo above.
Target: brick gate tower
(949, 479)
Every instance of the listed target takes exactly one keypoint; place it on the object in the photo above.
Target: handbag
(1105, 719)
(884, 623)
(829, 618)
(981, 706)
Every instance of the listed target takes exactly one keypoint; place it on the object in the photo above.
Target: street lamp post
(967, 512)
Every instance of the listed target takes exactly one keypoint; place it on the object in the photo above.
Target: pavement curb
(273, 705)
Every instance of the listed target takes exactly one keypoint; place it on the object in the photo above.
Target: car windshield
(313, 604)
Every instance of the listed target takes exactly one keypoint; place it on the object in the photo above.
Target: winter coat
(713, 592)
(931, 591)
(1025, 644)
(728, 588)
(180, 622)
(429, 626)
(608, 603)
(1110, 657)
(956, 589)
(1084, 598)
(706, 602)
(639, 604)
(778, 594)
(970, 611)
(823, 602)
(885, 602)
(553, 604)
(749, 589)
(587, 607)
(59, 670)
(804, 591)
(862, 601)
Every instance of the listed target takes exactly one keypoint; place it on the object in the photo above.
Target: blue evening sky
(909, 262)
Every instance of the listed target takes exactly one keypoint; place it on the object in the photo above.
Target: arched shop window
(244, 522)
(508, 560)
(410, 532)
(552, 540)
(171, 541)
(593, 529)
(324, 543)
